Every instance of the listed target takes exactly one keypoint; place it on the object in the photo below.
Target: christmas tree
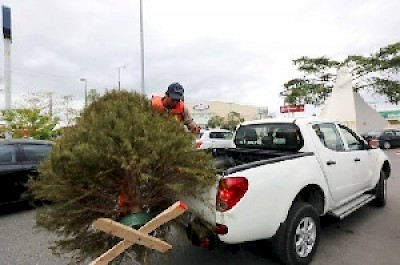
(120, 157)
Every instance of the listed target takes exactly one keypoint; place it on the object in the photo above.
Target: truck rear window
(270, 136)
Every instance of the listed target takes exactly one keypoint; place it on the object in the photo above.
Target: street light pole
(85, 80)
(119, 76)
(50, 104)
(141, 47)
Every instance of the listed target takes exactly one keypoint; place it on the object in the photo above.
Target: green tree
(67, 113)
(29, 123)
(233, 119)
(117, 144)
(215, 121)
(377, 73)
(92, 95)
(60, 107)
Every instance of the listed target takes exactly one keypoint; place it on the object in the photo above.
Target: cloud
(235, 51)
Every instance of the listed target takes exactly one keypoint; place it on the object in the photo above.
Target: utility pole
(119, 76)
(51, 104)
(85, 80)
(141, 48)
(67, 100)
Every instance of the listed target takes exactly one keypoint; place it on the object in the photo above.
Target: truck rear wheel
(381, 190)
(297, 239)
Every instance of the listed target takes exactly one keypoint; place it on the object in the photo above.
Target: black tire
(381, 190)
(301, 215)
(386, 145)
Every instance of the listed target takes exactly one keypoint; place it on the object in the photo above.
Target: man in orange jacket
(173, 104)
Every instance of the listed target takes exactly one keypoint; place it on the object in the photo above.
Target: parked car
(19, 159)
(385, 138)
(214, 138)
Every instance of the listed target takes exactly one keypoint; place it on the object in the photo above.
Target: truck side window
(353, 142)
(329, 136)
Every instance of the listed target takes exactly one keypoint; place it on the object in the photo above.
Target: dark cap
(175, 91)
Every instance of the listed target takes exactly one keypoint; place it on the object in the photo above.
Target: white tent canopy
(346, 106)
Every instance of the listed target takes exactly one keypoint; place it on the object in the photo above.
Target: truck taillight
(230, 191)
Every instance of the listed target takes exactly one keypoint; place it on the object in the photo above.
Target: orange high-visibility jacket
(178, 111)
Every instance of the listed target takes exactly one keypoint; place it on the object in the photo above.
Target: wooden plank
(122, 231)
(112, 253)
(172, 212)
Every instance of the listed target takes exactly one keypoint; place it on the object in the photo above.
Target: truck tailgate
(203, 204)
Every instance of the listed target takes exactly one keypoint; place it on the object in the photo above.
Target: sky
(238, 51)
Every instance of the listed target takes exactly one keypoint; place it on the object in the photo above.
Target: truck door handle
(357, 159)
(331, 162)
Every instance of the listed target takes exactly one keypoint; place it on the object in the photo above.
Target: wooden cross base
(132, 236)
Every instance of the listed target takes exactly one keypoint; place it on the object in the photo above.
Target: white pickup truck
(281, 177)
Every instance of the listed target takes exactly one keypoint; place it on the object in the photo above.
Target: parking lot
(370, 236)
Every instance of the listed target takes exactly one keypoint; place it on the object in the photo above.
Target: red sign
(292, 108)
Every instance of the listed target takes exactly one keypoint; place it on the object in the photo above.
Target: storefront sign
(292, 108)
(390, 114)
(201, 107)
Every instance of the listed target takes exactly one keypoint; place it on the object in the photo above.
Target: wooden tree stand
(132, 236)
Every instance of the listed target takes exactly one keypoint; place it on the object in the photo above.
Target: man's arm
(188, 121)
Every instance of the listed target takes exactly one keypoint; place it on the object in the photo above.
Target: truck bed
(228, 161)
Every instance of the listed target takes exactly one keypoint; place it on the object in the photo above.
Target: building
(203, 111)
(349, 107)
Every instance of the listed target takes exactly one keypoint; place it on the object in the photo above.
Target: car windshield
(269, 136)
